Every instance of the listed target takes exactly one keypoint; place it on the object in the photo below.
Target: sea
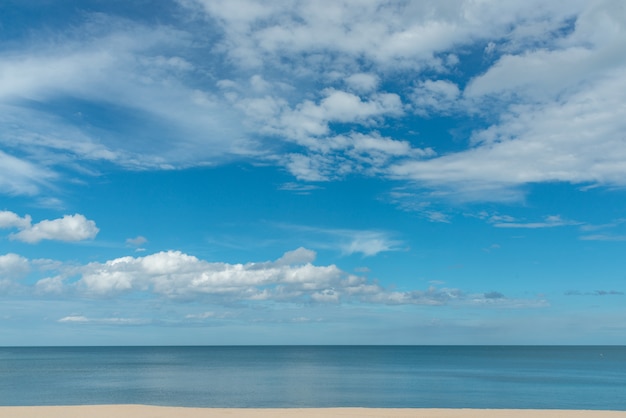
(546, 377)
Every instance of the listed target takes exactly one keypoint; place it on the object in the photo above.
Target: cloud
(13, 266)
(298, 256)
(124, 69)
(549, 222)
(603, 237)
(363, 82)
(69, 228)
(368, 243)
(138, 241)
(595, 293)
(12, 220)
(173, 274)
(309, 87)
(348, 241)
(335, 157)
(558, 122)
(180, 279)
(21, 177)
(309, 119)
(80, 319)
(438, 97)
(384, 34)
(299, 188)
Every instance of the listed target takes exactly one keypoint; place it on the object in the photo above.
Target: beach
(145, 411)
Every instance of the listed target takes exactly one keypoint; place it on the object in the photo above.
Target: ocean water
(318, 376)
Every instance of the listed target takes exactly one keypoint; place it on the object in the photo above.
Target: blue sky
(328, 172)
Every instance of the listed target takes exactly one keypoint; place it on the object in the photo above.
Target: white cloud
(13, 266)
(347, 241)
(127, 69)
(309, 119)
(363, 82)
(368, 243)
(554, 62)
(386, 34)
(12, 220)
(578, 140)
(18, 176)
(68, 228)
(74, 319)
(560, 110)
(337, 156)
(439, 96)
(298, 256)
(138, 241)
(549, 222)
(81, 319)
(175, 277)
(603, 237)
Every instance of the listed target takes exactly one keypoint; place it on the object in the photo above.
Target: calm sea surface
(324, 376)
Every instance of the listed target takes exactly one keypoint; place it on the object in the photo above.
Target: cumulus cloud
(178, 277)
(558, 108)
(438, 97)
(386, 34)
(13, 266)
(306, 86)
(12, 220)
(69, 228)
(297, 256)
(363, 82)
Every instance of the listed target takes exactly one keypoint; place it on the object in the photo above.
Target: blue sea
(318, 376)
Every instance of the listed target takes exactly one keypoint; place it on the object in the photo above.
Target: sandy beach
(144, 411)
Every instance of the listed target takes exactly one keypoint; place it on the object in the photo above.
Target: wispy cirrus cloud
(549, 222)
(348, 241)
(80, 319)
(52, 117)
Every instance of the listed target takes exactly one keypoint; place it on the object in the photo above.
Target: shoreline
(149, 411)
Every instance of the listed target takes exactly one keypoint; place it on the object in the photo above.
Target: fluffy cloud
(439, 96)
(178, 277)
(334, 34)
(13, 266)
(12, 220)
(311, 84)
(68, 228)
(559, 110)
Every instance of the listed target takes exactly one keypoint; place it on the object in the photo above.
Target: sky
(215, 172)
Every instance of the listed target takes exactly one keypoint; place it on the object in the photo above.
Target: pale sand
(142, 411)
